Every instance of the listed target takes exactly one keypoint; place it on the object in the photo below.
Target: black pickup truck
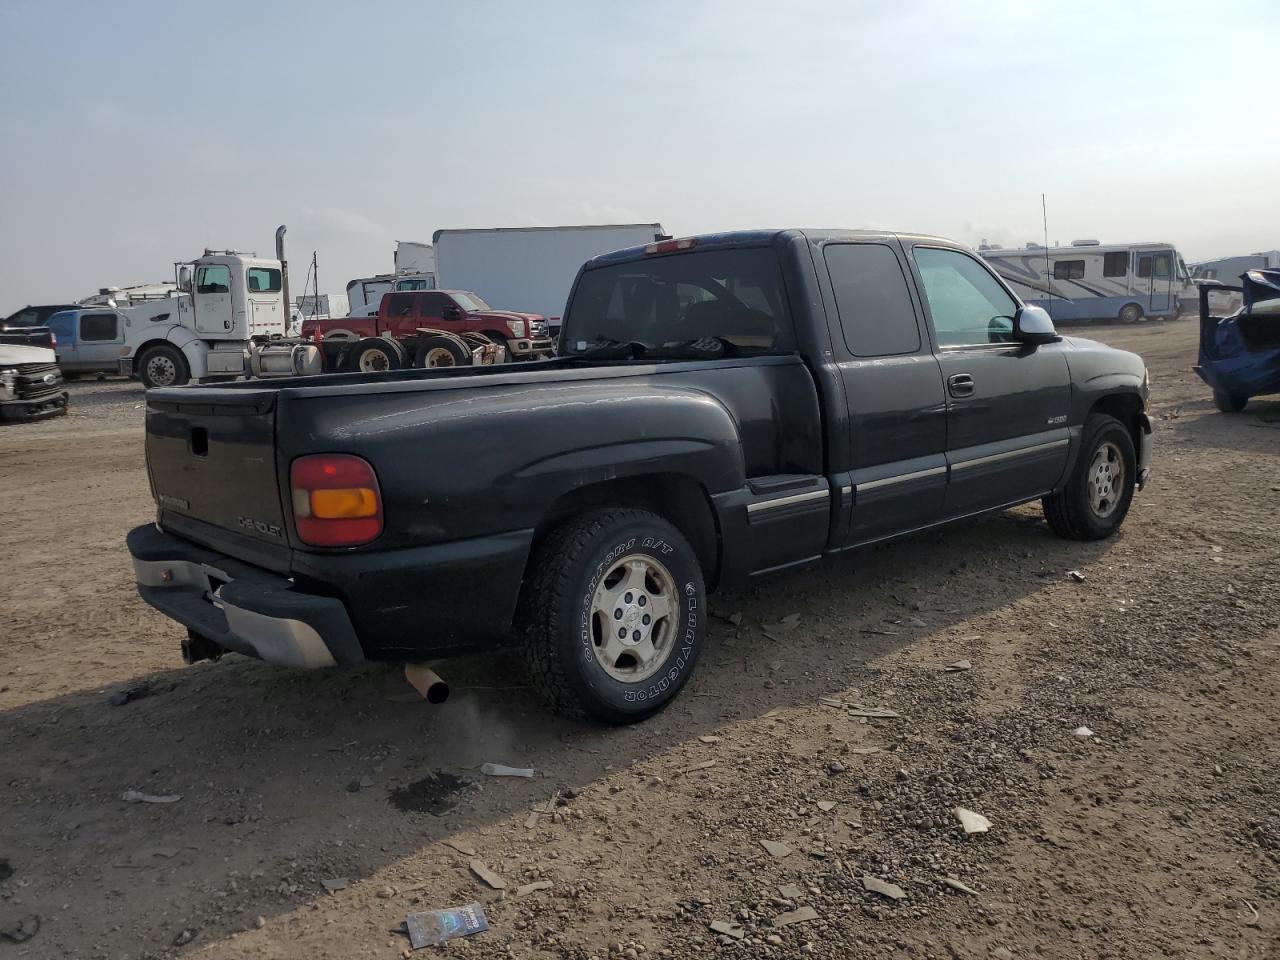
(724, 406)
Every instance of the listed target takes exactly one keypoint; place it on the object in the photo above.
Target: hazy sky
(138, 133)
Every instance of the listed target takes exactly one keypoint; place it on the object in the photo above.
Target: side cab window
(968, 306)
(99, 327)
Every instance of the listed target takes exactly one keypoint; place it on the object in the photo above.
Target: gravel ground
(1158, 835)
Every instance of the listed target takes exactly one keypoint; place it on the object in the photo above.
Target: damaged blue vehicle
(1240, 353)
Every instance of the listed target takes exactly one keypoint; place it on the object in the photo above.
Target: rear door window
(872, 298)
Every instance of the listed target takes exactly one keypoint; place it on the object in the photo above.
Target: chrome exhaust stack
(427, 682)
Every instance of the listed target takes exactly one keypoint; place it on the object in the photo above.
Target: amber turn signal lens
(344, 503)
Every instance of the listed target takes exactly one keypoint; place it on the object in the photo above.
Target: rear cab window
(734, 295)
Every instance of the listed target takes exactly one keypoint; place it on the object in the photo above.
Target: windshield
(470, 302)
(735, 296)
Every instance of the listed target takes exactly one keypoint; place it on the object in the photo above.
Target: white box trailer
(529, 269)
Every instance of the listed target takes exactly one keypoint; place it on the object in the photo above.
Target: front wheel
(613, 615)
(1229, 403)
(1130, 313)
(163, 366)
(1096, 498)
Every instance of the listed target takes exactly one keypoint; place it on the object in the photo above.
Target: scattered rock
(1075, 576)
(776, 849)
(462, 848)
(874, 713)
(728, 928)
(6, 871)
(334, 884)
(972, 822)
(959, 886)
(386, 893)
(958, 667)
(534, 887)
(795, 916)
(835, 766)
(785, 625)
(487, 876)
(826, 806)
(704, 765)
(19, 929)
(709, 738)
(500, 770)
(885, 889)
(134, 796)
(184, 937)
(259, 922)
(1001, 953)
(1084, 733)
(790, 891)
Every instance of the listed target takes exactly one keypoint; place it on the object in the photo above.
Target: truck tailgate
(211, 458)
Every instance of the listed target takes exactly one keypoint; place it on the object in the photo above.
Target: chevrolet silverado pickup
(723, 406)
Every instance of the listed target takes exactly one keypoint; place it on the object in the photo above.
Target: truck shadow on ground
(286, 778)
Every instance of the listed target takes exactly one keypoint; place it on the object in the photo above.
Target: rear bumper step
(239, 606)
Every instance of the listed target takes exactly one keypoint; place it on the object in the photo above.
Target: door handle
(960, 385)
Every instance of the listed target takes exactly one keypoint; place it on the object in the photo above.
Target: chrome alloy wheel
(634, 614)
(1105, 480)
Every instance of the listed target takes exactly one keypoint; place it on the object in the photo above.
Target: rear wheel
(1130, 313)
(613, 615)
(1096, 498)
(436, 351)
(373, 355)
(163, 366)
(1228, 403)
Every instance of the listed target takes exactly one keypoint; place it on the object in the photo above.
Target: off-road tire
(163, 351)
(1069, 512)
(555, 614)
(1228, 403)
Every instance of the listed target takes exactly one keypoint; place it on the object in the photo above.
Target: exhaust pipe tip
(427, 682)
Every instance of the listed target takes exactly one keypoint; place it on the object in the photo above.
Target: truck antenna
(1044, 212)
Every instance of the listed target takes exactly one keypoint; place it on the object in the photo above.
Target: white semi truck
(201, 327)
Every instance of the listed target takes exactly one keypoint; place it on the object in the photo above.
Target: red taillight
(336, 500)
(671, 246)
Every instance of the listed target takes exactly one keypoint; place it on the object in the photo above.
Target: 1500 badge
(270, 529)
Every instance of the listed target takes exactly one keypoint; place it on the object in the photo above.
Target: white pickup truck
(30, 383)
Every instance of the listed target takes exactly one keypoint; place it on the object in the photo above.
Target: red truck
(403, 315)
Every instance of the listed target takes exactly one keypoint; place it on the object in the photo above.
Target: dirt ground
(317, 809)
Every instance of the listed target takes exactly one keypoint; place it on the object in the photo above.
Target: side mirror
(1034, 325)
(184, 279)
